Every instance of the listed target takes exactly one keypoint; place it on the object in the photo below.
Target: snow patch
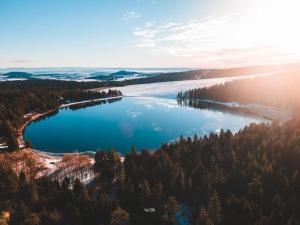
(170, 89)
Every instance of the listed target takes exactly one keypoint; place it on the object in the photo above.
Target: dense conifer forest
(19, 98)
(251, 177)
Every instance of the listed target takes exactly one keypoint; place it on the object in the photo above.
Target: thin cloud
(217, 40)
(21, 61)
(152, 2)
(131, 15)
(184, 38)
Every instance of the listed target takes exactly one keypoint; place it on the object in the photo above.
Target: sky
(148, 33)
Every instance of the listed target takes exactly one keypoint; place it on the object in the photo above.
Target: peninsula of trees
(280, 90)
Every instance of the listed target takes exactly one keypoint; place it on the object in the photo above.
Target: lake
(145, 122)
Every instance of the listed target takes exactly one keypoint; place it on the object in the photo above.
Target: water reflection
(145, 122)
(215, 106)
(93, 103)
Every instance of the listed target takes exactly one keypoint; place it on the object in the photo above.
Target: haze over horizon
(148, 33)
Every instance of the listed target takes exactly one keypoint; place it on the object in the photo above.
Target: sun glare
(274, 23)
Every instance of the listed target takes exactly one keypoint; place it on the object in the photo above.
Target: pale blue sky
(137, 33)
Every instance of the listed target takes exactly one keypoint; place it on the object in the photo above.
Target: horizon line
(167, 67)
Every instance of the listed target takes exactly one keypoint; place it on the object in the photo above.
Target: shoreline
(33, 117)
(48, 158)
(29, 120)
(88, 101)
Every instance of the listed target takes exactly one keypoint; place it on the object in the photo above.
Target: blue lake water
(144, 122)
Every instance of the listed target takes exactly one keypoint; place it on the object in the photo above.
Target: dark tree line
(19, 98)
(251, 177)
(93, 103)
(275, 90)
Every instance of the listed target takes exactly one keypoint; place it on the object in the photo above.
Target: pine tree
(119, 217)
(180, 184)
(8, 186)
(203, 218)
(214, 208)
(171, 208)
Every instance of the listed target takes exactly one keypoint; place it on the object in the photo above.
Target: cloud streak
(184, 39)
(215, 41)
(21, 61)
(131, 15)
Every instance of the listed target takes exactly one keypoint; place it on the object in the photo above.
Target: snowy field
(170, 89)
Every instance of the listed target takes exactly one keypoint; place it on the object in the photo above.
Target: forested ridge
(251, 177)
(19, 98)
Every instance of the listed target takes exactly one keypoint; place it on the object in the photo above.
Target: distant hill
(101, 77)
(124, 73)
(121, 74)
(214, 73)
(18, 75)
(123, 77)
